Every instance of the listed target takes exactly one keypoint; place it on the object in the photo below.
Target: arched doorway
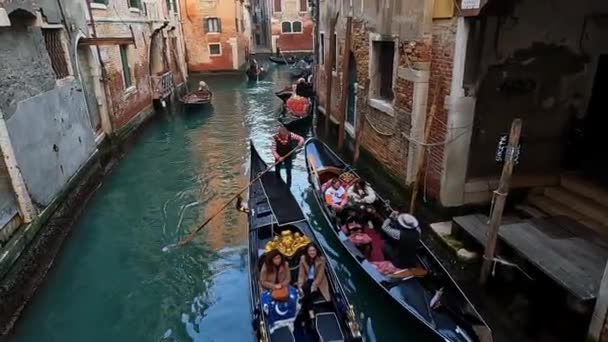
(351, 108)
(87, 79)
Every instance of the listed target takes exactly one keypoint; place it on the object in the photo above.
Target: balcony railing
(163, 85)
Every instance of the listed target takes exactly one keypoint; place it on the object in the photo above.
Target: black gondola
(273, 213)
(283, 59)
(301, 69)
(416, 292)
(256, 72)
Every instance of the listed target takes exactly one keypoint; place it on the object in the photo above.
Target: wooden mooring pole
(499, 200)
(345, 80)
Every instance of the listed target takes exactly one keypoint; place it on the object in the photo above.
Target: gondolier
(283, 143)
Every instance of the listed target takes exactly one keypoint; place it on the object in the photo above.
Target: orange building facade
(216, 34)
(292, 26)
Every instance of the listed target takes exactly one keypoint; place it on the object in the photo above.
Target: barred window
(54, 47)
(296, 26)
(286, 27)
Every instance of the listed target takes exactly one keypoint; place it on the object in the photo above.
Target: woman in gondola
(279, 299)
(312, 278)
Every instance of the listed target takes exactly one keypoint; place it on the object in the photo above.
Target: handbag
(280, 295)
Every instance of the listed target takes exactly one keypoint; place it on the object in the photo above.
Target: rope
(377, 130)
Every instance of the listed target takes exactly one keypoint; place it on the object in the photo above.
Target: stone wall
(442, 58)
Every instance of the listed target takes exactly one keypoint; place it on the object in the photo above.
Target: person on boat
(274, 276)
(403, 238)
(283, 143)
(357, 235)
(275, 272)
(304, 88)
(361, 198)
(312, 277)
(202, 86)
(335, 195)
(297, 105)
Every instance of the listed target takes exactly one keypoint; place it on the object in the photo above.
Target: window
(134, 3)
(215, 49)
(236, 24)
(213, 25)
(384, 55)
(296, 27)
(170, 5)
(322, 47)
(277, 6)
(54, 47)
(303, 5)
(286, 27)
(126, 69)
(103, 2)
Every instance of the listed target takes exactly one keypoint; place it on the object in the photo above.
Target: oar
(191, 236)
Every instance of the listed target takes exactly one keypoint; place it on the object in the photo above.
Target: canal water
(111, 281)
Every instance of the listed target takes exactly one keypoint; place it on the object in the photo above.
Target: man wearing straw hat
(403, 239)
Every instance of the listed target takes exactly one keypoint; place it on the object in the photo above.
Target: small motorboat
(427, 293)
(197, 98)
(277, 222)
(283, 59)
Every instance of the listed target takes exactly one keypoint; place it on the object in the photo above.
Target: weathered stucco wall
(25, 67)
(538, 66)
(52, 139)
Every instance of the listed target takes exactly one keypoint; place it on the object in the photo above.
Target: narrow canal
(111, 281)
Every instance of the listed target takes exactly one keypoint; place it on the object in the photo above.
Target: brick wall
(126, 103)
(295, 41)
(197, 40)
(442, 57)
(386, 136)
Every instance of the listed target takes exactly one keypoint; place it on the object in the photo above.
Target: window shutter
(219, 25)
(303, 7)
(206, 25)
(277, 5)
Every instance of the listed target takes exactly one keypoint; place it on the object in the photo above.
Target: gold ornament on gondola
(288, 243)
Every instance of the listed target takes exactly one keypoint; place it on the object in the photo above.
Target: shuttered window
(213, 25)
(277, 6)
(303, 5)
(54, 47)
(126, 69)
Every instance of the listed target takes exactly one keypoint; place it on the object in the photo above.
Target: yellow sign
(288, 243)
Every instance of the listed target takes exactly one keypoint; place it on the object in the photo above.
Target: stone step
(585, 188)
(587, 207)
(553, 208)
(530, 211)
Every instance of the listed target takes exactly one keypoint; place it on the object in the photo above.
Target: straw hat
(407, 221)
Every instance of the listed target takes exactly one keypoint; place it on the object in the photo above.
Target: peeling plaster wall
(537, 68)
(52, 139)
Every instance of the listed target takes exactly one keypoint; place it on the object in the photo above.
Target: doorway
(595, 163)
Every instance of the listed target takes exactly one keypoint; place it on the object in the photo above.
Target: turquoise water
(111, 281)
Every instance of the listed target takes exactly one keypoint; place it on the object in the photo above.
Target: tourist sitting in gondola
(298, 105)
(312, 279)
(335, 195)
(356, 234)
(361, 198)
(279, 299)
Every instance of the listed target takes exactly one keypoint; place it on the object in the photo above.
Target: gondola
(285, 93)
(276, 221)
(427, 294)
(258, 73)
(301, 69)
(197, 98)
(283, 60)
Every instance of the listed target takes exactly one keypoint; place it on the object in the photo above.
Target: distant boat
(274, 215)
(294, 123)
(197, 98)
(283, 59)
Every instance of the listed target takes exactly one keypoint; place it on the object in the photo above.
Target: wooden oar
(191, 236)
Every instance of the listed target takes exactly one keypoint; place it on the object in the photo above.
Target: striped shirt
(292, 137)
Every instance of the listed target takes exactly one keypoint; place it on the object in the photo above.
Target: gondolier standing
(283, 143)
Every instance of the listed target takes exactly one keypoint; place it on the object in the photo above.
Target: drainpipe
(104, 74)
(24, 201)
